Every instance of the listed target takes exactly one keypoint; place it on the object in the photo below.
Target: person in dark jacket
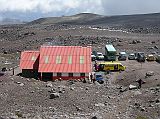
(140, 82)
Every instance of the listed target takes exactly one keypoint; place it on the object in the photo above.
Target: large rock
(157, 100)
(134, 42)
(22, 84)
(150, 73)
(132, 87)
(54, 95)
(99, 105)
(156, 47)
(49, 85)
(5, 52)
(61, 89)
(123, 89)
(94, 117)
(4, 69)
(139, 41)
(19, 83)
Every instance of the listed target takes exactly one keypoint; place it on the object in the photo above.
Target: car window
(98, 76)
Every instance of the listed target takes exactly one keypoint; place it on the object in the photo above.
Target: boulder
(100, 81)
(54, 95)
(150, 73)
(87, 88)
(61, 90)
(94, 117)
(78, 108)
(142, 108)
(139, 41)
(71, 88)
(49, 85)
(2, 32)
(53, 90)
(71, 82)
(99, 105)
(119, 87)
(5, 52)
(123, 89)
(156, 47)
(22, 84)
(157, 100)
(153, 42)
(4, 69)
(134, 42)
(132, 87)
(137, 104)
(19, 83)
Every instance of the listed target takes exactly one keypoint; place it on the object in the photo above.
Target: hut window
(59, 74)
(58, 60)
(82, 74)
(81, 59)
(46, 59)
(33, 58)
(69, 59)
(70, 74)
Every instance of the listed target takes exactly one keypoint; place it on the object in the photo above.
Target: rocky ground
(30, 98)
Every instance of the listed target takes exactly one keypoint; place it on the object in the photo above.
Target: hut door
(47, 76)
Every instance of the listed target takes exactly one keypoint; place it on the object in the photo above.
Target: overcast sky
(33, 9)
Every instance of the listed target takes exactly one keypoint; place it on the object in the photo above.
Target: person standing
(91, 77)
(140, 82)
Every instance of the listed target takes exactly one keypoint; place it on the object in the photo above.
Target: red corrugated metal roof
(29, 60)
(65, 59)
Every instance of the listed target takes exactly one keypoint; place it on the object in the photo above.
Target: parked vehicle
(100, 56)
(150, 57)
(140, 57)
(99, 78)
(122, 56)
(158, 58)
(110, 52)
(131, 56)
(93, 57)
(111, 66)
(94, 53)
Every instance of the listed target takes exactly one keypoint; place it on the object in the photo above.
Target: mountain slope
(135, 20)
(143, 20)
(81, 18)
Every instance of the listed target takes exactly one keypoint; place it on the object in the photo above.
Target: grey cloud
(32, 9)
(119, 7)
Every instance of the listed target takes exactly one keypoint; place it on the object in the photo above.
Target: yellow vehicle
(111, 66)
(151, 57)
